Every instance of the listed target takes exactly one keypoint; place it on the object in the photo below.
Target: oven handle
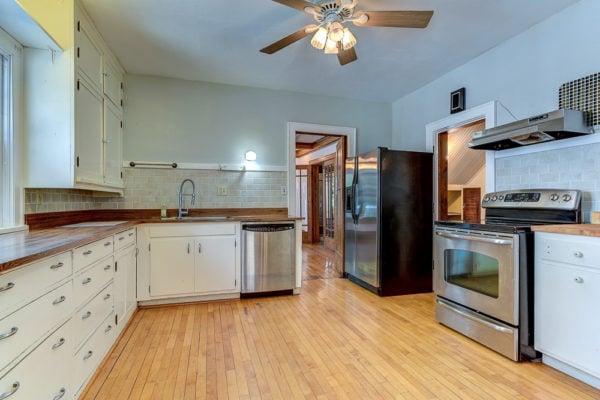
(475, 319)
(475, 238)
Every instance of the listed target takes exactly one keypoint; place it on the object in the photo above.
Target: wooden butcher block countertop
(48, 236)
(570, 229)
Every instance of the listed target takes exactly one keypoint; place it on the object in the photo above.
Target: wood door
(329, 202)
(471, 204)
(442, 176)
(313, 204)
(340, 198)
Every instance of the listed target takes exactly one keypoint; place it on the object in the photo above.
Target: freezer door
(367, 189)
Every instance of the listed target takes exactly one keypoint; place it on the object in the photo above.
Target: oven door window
(471, 270)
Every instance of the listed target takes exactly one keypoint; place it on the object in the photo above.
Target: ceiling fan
(332, 36)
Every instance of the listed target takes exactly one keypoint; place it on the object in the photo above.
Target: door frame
(292, 128)
(486, 112)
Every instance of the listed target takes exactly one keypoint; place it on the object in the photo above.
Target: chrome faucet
(183, 212)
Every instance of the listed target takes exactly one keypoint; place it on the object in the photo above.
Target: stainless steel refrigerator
(389, 221)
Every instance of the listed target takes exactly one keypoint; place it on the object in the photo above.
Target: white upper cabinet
(73, 120)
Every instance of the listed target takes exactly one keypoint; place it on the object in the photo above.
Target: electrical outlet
(283, 190)
(221, 190)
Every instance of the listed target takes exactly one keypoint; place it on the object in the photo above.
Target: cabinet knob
(578, 279)
(578, 254)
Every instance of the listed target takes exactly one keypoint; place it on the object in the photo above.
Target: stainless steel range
(483, 273)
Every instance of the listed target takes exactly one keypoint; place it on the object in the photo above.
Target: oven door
(478, 270)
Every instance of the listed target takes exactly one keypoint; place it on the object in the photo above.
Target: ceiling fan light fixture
(348, 41)
(331, 47)
(319, 38)
(336, 31)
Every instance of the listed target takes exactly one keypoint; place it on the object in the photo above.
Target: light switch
(221, 190)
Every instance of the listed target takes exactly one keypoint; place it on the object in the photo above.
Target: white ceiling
(219, 41)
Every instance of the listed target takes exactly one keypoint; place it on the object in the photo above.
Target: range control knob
(566, 197)
(494, 198)
(501, 197)
(486, 198)
(553, 197)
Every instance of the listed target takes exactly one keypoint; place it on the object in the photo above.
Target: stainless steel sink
(208, 218)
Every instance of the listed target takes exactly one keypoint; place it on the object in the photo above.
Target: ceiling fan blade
(396, 19)
(346, 56)
(298, 4)
(289, 39)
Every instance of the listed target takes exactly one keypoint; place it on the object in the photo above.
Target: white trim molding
(292, 128)
(487, 112)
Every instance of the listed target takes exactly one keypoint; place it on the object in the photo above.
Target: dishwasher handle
(267, 227)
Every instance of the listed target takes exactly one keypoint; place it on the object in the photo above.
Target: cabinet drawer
(43, 374)
(85, 255)
(192, 229)
(583, 251)
(29, 282)
(92, 352)
(124, 239)
(88, 282)
(87, 318)
(22, 328)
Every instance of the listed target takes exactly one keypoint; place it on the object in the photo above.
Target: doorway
(461, 174)
(320, 164)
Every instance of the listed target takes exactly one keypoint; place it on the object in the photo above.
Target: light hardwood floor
(333, 341)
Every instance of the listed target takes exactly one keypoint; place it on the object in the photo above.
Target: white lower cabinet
(45, 373)
(567, 292)
(172, 268)
(188, 260)
(25, 327)
(93, 350)
(56, 326)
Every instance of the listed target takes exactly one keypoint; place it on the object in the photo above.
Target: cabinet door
(112, 84)
(171, 266)
(112, 145)
(88, 55)
(125, 285)
(566, 318)
(215, 264)
(88, 135)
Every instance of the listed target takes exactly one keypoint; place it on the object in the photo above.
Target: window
(10, 106)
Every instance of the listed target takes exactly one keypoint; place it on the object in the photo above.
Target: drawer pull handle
(107, 267)
(107, 244)
(13, 330)
(60, 394)
(8, 286)
(13, 390)
(108, 329)
(86, 281)
(578, 279)
(86, 315)
(87, 355)
(130, 234)
(57, 266)
(59, 300)
(60, 342)
(87, 253)
(107, 296)
(122, 238)
(578, 254)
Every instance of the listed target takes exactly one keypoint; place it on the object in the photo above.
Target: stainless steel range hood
(555, 125)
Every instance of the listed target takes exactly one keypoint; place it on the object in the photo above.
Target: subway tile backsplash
(155, 188)
(575, 167)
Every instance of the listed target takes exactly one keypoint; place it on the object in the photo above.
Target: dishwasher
(268, 258)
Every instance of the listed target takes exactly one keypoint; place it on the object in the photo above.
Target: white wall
(524, 74)
(183, 121)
